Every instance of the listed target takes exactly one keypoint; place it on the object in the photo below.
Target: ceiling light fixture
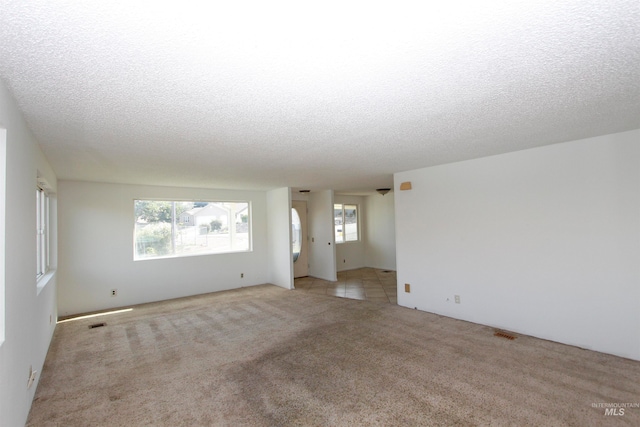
(383, 191)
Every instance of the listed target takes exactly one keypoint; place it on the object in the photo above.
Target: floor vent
(503, 334)
(387, 271)
(97, 325)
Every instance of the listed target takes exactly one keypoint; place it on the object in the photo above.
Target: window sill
(44, 280)
(240, 251)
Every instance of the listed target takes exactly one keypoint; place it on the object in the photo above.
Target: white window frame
(344, 234)
(42, 232)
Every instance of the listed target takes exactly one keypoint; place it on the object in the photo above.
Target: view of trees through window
(181, 228)
(345, 222)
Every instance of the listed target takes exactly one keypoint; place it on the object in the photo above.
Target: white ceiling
(331, 95)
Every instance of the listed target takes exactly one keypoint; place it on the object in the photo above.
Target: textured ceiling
(331, 95)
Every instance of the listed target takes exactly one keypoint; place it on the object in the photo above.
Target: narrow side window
(42, 232)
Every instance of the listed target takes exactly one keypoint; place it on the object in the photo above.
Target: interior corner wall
(543, 242)
(322, 254)
(3, 224)
(280, 256)
(380, 232)
(350, 255)
(29, 310)
(96, 249)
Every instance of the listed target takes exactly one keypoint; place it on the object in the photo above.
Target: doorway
(299, 239)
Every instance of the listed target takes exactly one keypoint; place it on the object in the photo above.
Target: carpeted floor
(265, 356)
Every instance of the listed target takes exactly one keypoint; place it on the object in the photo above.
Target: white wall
(322, 254)
(29, 311)
(544, 242)
(280, 256)
(350, 255)
(96, 249)
(296, 195)
(3, 190)
(380, 232)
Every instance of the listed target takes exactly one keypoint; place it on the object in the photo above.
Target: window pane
(38, 239)
(338, 222)
(168, 228)
(42, 232)
(153, 228)
(350, 223)
(47, 233)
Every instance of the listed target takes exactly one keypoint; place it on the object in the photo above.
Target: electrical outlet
(344, 261)
(407, 288)
(242, 275)
(114, 292)
(457, 299)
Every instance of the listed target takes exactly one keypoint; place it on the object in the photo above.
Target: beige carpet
(266, 356)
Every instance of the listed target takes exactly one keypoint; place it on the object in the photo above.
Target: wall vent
(503, 334)
(97, 325)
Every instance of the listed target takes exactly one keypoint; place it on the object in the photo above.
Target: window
(42, 232)
(345, 222)
(183, 228)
